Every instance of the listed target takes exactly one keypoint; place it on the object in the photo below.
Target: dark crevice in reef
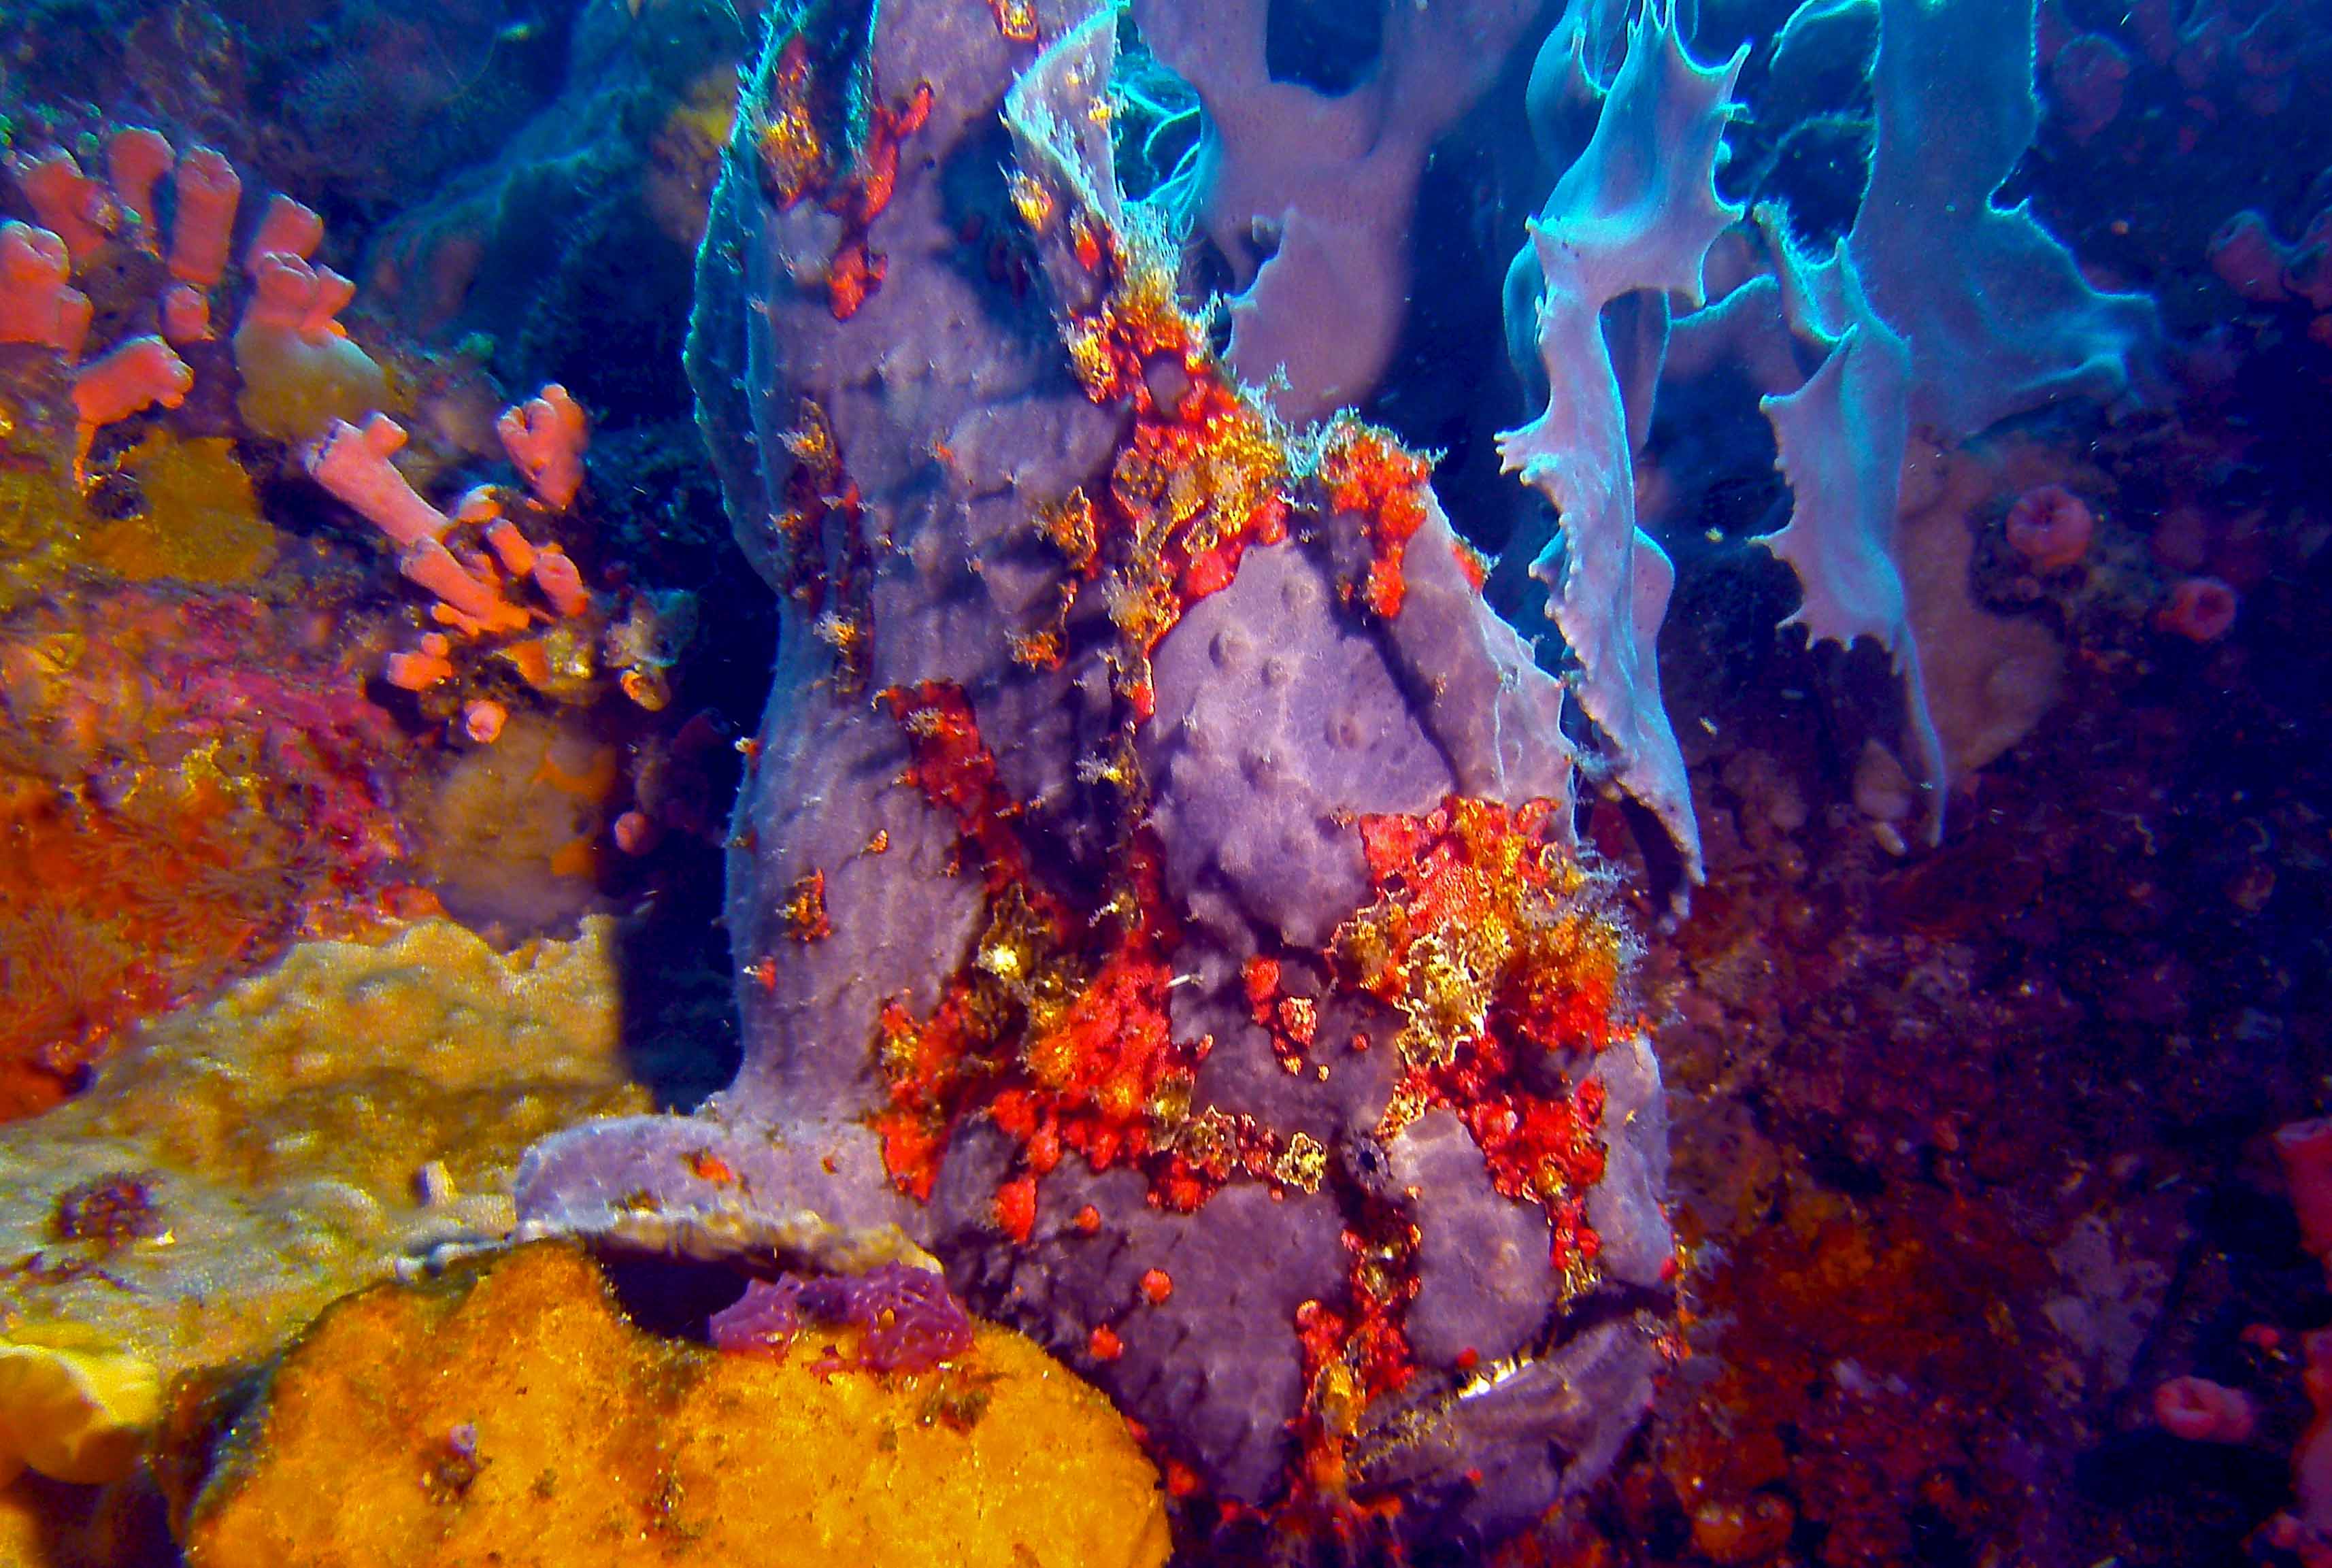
(1327, 45)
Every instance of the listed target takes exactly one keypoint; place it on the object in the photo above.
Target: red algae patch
(177, 810)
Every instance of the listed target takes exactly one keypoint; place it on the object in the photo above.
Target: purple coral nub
(910, 1321)
(765, 1317)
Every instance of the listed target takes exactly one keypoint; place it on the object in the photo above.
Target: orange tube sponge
(418, 669)
(477, 603)
(482, 721)
(511, 547)
(545, 438)
(136, 159)
(140, 373)
(38, 303)
(70, 204)
(208, 189)
(354, 465)
(556, 574)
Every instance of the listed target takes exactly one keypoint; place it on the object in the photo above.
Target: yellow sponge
(510, 1414)
(70, 1407)
(295, 386)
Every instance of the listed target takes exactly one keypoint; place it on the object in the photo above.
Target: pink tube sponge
(475, 599)
(556, 574)
(354, 465)
(136, 159)
(70, 204)
(2307, 270)
(300, 370)
(2202, 609)
(2050, 528)
(2305, 1151)
(2247, 259)
(138, 374)
(2202, 1411)
(287, 228)
(422, 668)
(38, 303)
(2087, 80)
(2307, 1531)
(289, 294)
(545, 438)
(208, 189)
(186, 314)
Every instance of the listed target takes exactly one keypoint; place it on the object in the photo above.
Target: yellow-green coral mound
(510, 1414)
(240, 1166)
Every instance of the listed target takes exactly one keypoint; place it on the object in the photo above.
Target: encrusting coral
(238, 1167)
(510, 1413)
